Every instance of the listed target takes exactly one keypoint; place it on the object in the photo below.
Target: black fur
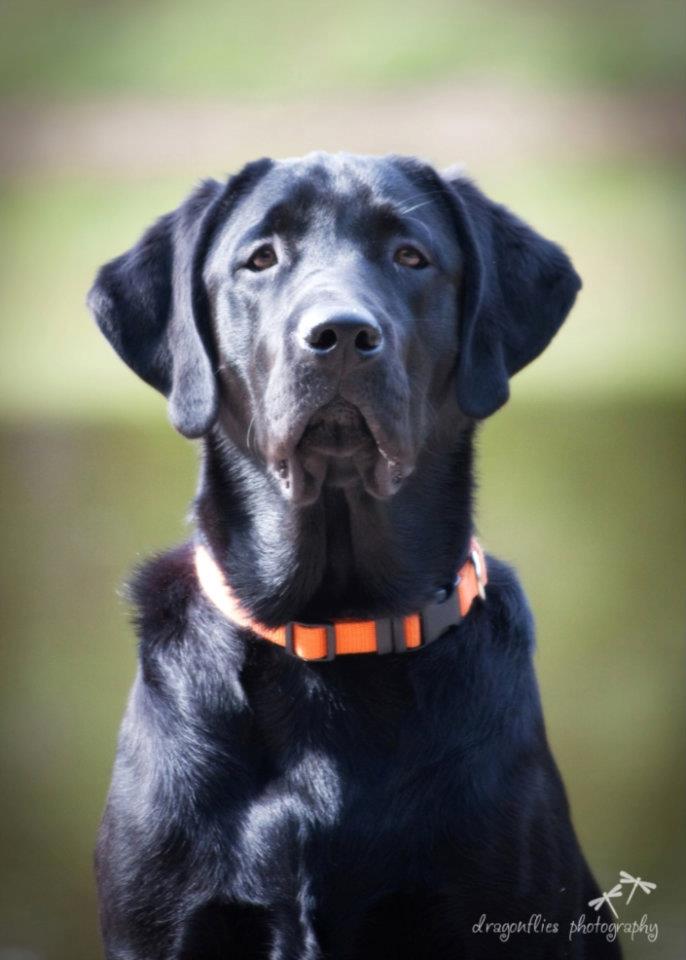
(369, 807)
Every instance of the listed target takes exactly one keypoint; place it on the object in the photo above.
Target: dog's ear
(151, 302)
(148, 304)
(517, 289)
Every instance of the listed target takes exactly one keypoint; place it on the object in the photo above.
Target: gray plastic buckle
(439, 615)
(390, 635)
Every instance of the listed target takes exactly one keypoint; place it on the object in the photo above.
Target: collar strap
(324, 641)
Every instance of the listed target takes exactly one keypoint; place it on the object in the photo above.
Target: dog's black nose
(350, 337)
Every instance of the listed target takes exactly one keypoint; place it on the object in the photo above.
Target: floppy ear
(517, 289)
(149, 304)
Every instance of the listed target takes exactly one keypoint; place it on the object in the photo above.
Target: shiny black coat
(372, 806)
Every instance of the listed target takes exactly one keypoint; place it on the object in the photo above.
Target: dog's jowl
(334, 746)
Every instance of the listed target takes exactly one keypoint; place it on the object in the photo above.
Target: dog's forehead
(321, 184)
(374, 177)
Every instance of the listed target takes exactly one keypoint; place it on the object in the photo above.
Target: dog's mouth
(340, 446)
(337, 429)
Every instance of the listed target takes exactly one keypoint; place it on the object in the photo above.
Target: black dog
(333, 328)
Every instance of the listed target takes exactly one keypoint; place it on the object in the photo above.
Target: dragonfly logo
(611, 929)
(598, 925)
(646, 886)
(637, 884)
(607, 898)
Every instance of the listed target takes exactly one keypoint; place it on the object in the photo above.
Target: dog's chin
(340, 448)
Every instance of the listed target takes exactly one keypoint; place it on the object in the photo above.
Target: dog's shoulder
(507, 611)
(163, 591)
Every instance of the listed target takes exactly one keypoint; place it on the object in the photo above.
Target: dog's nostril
(348, 336)
(323, 340)
(367, 340)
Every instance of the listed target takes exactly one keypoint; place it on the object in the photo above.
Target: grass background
(63, 48)
(572, 114)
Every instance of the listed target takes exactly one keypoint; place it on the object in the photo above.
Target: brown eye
(263, 258)
(410, 257)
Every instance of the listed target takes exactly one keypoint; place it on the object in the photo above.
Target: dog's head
(324, 311)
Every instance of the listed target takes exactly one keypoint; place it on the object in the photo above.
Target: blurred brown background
(572, 113)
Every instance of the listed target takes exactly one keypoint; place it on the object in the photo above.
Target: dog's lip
(382, 461)
(338, 429)
(283, 448)
(385, 474)
(390, 449)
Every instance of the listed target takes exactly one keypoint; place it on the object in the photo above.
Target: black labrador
(334, 328)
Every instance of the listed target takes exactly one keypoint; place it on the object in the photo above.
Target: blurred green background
(572, 114)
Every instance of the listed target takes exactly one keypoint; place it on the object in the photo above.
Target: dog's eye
(263, 258)
(410, 257)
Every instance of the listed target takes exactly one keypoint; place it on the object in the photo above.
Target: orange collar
(324, 641)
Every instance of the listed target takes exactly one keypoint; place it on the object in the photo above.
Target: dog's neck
(348, 554)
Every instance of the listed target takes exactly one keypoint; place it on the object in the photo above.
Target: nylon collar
(324, 641)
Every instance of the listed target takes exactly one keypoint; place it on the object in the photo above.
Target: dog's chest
(354, 783)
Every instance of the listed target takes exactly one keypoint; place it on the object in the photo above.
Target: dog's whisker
(250, 431)
(425, 203)
(418, 196)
